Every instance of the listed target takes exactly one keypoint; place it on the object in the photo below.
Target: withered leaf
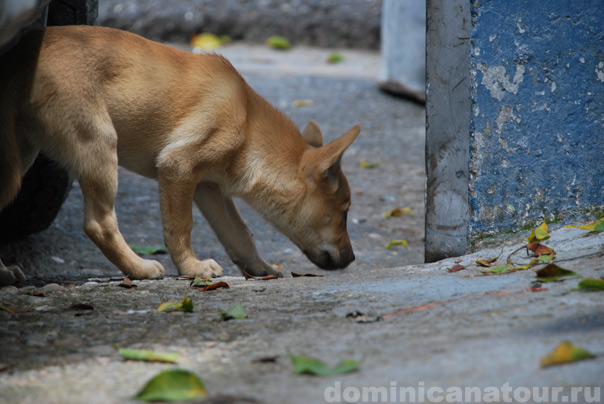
(540, 249)
(553, 272)
(214, 286)
(456, 268)
(127, 283)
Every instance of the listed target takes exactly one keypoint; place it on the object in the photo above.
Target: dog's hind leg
(221, 213)
(97, 175)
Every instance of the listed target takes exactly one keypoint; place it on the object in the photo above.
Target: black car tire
(45, 185)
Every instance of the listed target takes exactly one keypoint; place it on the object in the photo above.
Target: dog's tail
(11, 167)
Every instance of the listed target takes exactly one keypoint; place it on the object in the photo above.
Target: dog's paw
(203, 269)
(148, 269)
(10, 275)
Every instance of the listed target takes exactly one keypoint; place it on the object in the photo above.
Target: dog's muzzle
(325, 260)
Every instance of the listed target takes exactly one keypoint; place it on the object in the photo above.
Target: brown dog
(92, 97)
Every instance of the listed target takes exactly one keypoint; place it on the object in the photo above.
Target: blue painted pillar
(537, 112)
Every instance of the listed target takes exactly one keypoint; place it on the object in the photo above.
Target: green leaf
(596, 226)
(232, 313)
(173, 385)
(565, 353)
(335, 57)
(497, 270)
(278, 42)
(185, 305)
(539, 234)
(367, 165)
(553, 272)
(396, 242)
(200, 282)
(147, 356)
(304, 365)
(149, 249)
(591, 284)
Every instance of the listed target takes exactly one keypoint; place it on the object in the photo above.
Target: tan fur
(92, 97)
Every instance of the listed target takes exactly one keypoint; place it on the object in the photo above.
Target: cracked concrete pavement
(438, 330)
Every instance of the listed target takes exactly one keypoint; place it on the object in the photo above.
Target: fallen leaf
(232, 313)
(36, 293)
(214, 286)
(359, 192)
(566, 352)
(149, 249)
(304, 365)
(489, 262)
(8, 309)
(500, 269)
(526, 266)
(147, 355)
(127, 283)
(591, 284)
(335, 57)
(302, 103)
(278, 42)
(277, 267)
(596, 226)
(4, 368)
(456, 268)
(365, 164)
(397, 212)
(206, 41)
(539, 234)
(185, 305)
(396, 242)
(553, 272)
(173, 385)
(200, 282)
(539, 249)
(304, 274)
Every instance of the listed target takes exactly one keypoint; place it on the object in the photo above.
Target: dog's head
(319, 225)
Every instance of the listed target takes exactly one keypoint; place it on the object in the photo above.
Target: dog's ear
(312, 134)
(324, 162)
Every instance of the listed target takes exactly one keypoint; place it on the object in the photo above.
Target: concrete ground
(438, 331)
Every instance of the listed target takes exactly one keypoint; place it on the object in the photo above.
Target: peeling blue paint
(537, 123)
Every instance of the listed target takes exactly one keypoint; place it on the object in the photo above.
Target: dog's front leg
(176, 200)
(220, 211)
